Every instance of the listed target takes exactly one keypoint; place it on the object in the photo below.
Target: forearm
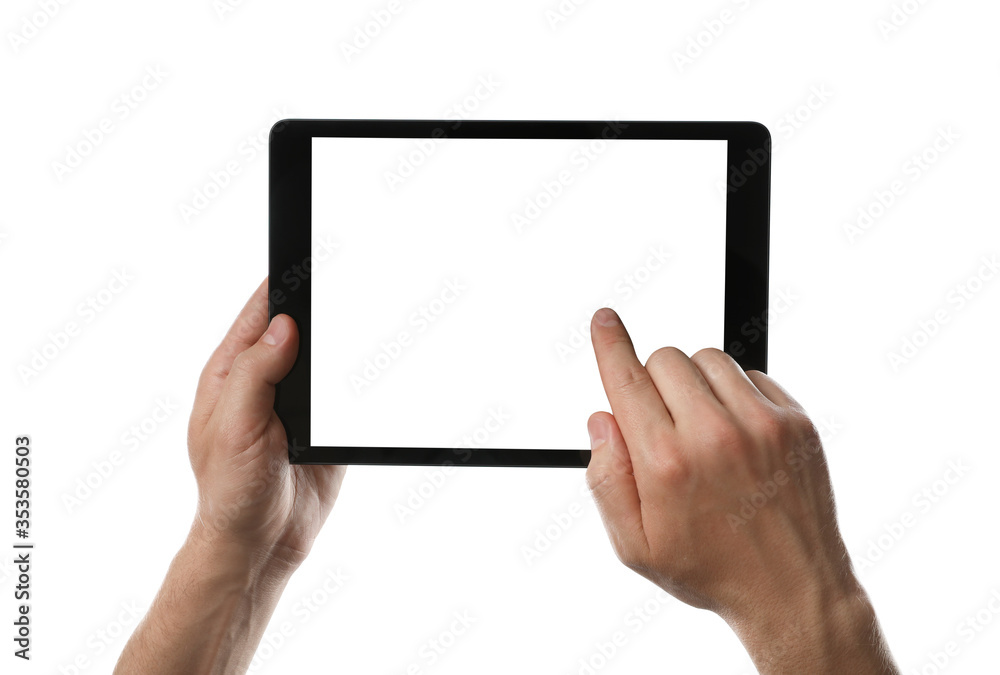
(819, 632)
(210, 612)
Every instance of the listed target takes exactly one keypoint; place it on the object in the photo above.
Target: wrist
(212, 609)
(815, 628)
(238, 563)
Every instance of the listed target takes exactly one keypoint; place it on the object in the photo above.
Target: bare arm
(210, 612)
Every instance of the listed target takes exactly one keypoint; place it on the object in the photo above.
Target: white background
(466, 290)
(891, 432)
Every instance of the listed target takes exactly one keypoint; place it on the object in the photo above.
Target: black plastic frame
(290, 240)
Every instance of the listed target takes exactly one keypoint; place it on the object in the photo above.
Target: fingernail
(599, 432)
(607, 317)
(276, 332)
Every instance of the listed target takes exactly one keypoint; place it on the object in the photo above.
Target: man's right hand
(693, 441)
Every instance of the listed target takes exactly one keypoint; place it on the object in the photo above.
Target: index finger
(635, 402)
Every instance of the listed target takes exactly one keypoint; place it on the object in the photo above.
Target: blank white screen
(452, 313)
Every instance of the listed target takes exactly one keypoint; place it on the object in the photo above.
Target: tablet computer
(443, 275)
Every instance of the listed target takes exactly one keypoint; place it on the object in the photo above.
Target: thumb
(610, 479)
(248, 395)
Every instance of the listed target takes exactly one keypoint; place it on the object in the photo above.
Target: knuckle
(630, 551)
(621, 463)
(252, 323)
(664, 356)
(710, 360)
(807, 436)
(770, 426)
(669, 469)
(614, 340)
(632, 380)
(597, 480)
(800, 421)
(243, 364)
(632, 561)
(773, 426)
(710, 354)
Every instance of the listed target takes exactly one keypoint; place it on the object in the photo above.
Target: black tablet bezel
(290, 253)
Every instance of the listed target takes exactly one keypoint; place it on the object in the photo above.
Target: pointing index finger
(635, 401)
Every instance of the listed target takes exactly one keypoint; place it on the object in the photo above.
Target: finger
(245, 331)
(610, 479)
(682, 386)
(246, 403)
(772, 390)
(635, 402)
(729, 383)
